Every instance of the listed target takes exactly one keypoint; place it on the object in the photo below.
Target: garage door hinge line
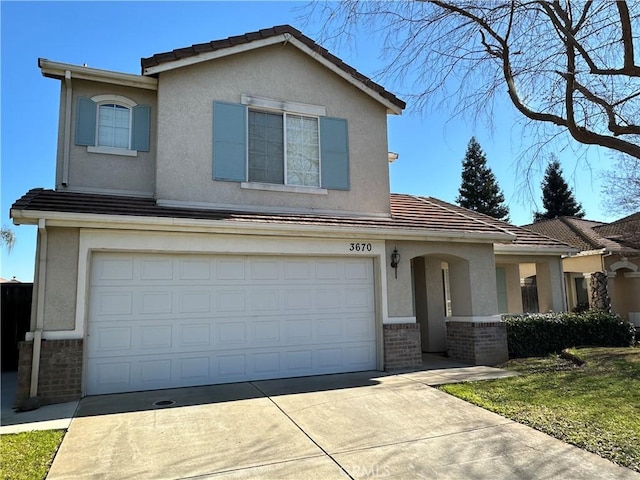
(305, 433)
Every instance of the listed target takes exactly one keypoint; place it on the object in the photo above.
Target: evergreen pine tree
(557, 198)
(479, 190)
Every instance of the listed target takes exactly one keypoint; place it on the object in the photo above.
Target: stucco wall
(280, 72)
(102, 171)
(582, 264)
(514, 291)
(61, 278)
(472, 277)
(623, 284)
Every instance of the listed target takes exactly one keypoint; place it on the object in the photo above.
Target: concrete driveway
(361, 426)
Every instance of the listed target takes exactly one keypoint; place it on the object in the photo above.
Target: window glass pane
(303, 151)
(113, 126)
(266, 147)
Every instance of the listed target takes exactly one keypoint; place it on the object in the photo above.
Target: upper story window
(112, 124)
(284, 148)
(263, 141)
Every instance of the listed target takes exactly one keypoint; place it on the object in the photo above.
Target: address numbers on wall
(359, 247)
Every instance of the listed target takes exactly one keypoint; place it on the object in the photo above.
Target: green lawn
(595, 406)
(28, 455)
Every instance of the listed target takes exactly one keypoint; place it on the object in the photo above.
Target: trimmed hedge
(535, 335)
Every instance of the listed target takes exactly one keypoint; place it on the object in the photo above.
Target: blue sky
(115, 35)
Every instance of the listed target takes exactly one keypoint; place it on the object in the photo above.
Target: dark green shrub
(539, 334)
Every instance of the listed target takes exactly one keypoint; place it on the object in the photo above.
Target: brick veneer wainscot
(60, 377)
(478, 343)
(402, 345)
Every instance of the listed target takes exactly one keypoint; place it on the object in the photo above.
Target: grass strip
(28, 455)
(595, 406)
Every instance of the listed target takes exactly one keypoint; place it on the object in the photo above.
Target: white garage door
(162, 321)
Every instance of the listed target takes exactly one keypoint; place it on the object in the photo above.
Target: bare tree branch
(566, 64)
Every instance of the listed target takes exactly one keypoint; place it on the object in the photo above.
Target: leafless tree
(621, 186)
(567, 65)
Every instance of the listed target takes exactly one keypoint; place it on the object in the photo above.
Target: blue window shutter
(334, 153)
(85, 122)
(229, 142)
(141, 128)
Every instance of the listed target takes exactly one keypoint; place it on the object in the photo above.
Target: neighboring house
(610, 248)
(226, 216)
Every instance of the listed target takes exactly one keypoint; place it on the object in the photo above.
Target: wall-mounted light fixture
(395, 260)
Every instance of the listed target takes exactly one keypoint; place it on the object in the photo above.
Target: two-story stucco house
(225, 216)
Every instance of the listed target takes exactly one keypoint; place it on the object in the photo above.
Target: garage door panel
(299, 270)
(112, 339)
(194, 301)
(359, 327)
(232, 333)
(231, 301)
(163, 321)
(230, 269)
(266, 333)
(194, 269)
(160, 268)
(154, 302)
(297, 299)
(328, 358)
(107, 304)
(195, 369)
(114, 268)
(109, 377)
(357, 270)
(195, 335)
(265, 300)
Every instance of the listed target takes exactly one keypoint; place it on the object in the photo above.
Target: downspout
(67, 129)
(37, 334)
(604, 254)
(563, 287)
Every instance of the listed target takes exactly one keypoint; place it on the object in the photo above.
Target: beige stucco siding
(472, 277)
(583, 264)
(61, 278)
(185, 122)
(97, 171)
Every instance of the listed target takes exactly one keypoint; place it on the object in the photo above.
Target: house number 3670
(359, 247)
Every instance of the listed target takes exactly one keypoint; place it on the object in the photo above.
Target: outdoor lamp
(395, 260)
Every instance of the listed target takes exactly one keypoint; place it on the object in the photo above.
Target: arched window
(112, 124)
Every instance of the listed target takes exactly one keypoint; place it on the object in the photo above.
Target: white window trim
(123, 152)
(284, 107)
(277, 187)
(116, 100)
(263, 103)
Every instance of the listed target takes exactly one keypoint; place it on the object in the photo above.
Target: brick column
(60, 378)
(477, 342)
(402, 347)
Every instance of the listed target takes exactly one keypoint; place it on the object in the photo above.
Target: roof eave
(130, 222)
(58, 70)
(501, 248)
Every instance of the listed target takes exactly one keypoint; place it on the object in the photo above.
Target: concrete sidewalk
(50, 417)
(359, 425)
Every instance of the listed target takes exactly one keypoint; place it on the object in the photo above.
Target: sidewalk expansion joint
(304, 433)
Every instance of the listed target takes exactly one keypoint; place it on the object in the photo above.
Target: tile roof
(524, 237)
(408, 212)
(625, 232)
(197, 49)
(586, 235)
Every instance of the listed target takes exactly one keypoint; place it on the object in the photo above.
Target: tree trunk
(599, 294)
